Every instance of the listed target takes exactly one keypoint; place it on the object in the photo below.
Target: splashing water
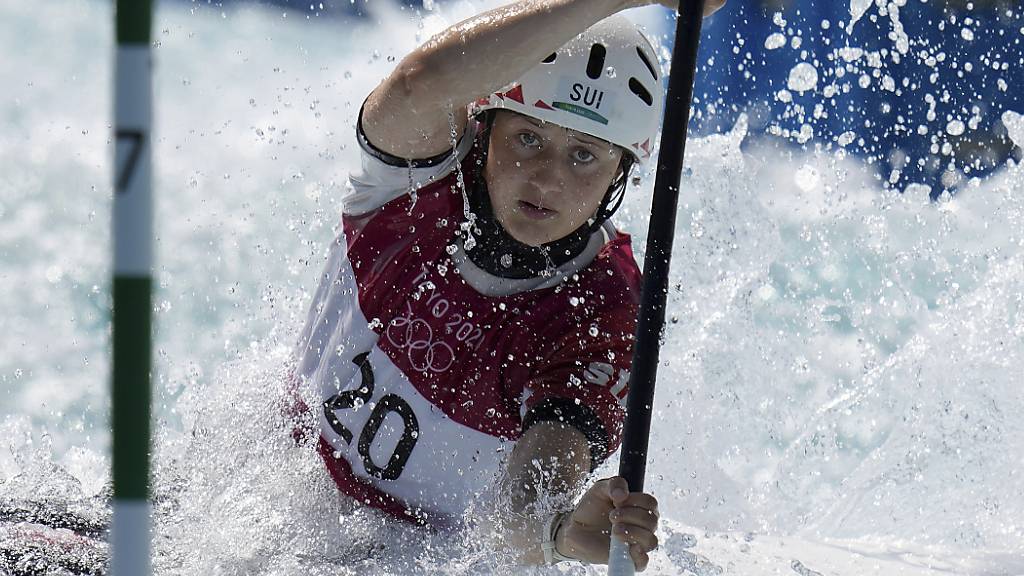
(1014, 123)
(775, 41)
(803, 77)
(857, 10)
(840, 377)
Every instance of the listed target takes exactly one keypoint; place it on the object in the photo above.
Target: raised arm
(407, 115)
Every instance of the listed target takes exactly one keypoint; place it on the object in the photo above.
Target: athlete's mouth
(535, 210)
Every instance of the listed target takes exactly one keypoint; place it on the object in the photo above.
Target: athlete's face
(545, 181)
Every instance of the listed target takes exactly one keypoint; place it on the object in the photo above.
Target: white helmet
(604, 82)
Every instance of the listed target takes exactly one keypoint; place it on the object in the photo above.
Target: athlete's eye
(583, 156)
(529, 139)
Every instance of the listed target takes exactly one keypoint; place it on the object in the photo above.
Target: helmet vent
(643, 58)
(640, 91)
(550, 58)
(596, 63)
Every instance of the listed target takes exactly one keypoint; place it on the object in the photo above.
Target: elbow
(415, 83)
(409, 76)
(432, 81)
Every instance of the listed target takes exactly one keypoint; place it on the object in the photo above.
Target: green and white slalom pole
(661, 233)
(132, 290)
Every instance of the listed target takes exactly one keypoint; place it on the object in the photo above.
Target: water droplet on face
(593, 331)
(506, 260)
(610, 72)
(574, 301)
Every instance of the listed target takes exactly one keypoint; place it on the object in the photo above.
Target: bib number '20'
(354, 400)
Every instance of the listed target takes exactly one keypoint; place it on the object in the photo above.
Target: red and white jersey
(429, 369)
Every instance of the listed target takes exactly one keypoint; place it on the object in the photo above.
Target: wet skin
(545, 181)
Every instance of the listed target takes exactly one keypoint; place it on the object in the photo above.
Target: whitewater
(842, 374)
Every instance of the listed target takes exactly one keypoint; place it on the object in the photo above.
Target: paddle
(651, 321)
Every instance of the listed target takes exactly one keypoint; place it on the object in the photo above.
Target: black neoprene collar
(500, 254)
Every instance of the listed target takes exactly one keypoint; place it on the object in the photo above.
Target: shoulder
(614, 272)
(617, 255)
(381, 177)
(605, 294)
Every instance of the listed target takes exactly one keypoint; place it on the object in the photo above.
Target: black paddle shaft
(651, 320)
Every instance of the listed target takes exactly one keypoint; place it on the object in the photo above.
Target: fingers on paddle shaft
(640, 558)
(645, 539)
(618, 492)
(634, 516)
(618, 489)
(638, 500)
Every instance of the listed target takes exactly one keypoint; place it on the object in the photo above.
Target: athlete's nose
(548, 176)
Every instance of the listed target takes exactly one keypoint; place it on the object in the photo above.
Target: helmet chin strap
(499, 253)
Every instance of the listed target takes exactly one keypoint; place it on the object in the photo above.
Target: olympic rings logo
(417, 337)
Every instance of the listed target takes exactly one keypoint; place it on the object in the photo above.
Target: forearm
(480, 55)
(545, 473)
